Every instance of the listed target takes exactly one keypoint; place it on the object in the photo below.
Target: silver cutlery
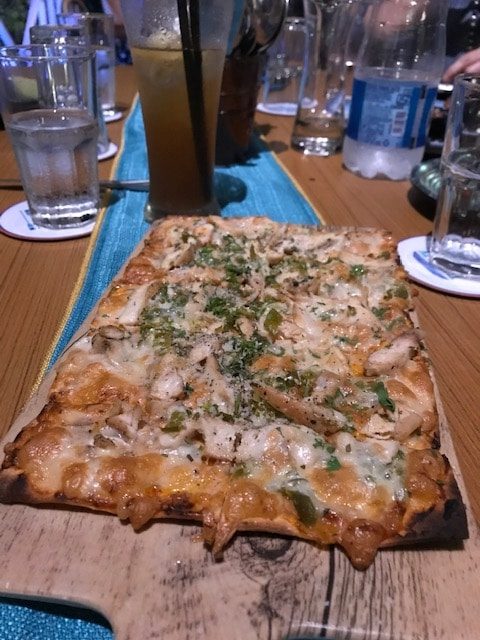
(423, 258)
(128, 185)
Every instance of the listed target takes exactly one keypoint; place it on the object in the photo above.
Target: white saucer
(278, 108)
(414, 256)
(112, 115)
(16, 222)
(109, 152)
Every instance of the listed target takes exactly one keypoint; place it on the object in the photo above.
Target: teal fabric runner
(257, 187)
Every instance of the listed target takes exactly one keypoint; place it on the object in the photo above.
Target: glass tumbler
(319, 122)
(47, 103)
(75, 35)
(100, 29)
(178, 49)
(455, 242)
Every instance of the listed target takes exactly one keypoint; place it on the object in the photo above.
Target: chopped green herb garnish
(304, 381)
(333, 464)
(206, 256)
(399, 320)
(175, 422)
(304, 506)
(379, 312)
(331, 399)
(357, 270)
(158, 327)
(243, 352)
(319, 443)
(234, 272)
(240, 470)
(383, 397)
(399, 291)
(272, 322)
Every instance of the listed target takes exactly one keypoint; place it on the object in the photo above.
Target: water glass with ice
(101, 32)
(455, 242)
(47, 106)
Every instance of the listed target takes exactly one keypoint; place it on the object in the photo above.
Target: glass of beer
(178, 49)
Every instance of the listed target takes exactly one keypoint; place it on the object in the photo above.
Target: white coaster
(414, 256)
(112, 115)
(109, 152)
(16, 222)
(278, 108)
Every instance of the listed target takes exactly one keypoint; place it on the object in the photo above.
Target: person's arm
(467, 63)
(116, 11)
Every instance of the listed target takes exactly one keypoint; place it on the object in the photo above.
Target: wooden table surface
(36, 281)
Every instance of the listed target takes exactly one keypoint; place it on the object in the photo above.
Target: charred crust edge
(14, 487)
(446, 521)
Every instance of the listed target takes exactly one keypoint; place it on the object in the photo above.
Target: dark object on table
(426, 177)
(238, 102)
(438, 123)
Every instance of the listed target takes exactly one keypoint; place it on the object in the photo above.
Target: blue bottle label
(390, 113)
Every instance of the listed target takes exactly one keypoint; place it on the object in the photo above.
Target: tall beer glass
(178, 49)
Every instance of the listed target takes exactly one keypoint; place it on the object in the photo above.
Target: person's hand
(467, 63)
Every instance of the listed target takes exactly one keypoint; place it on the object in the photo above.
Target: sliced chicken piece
(378, 427)
(220, 438)
(395, 355)
(204, 348)
(305, 411)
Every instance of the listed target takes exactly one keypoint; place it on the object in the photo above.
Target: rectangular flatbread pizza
(252, 376)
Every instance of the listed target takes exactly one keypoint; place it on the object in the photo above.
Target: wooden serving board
(163, 583)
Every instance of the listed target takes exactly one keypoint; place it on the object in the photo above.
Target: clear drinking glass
(47, 104)
(178, 49)
(75, 35)
(455, 243)
(283, 73)
(319, 122)
(101, 33)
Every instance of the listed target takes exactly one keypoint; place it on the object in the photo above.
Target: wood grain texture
(163, 582)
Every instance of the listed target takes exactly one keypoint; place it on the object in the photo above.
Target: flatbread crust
(254, 377)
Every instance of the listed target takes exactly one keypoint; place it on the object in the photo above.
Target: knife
(130, 185)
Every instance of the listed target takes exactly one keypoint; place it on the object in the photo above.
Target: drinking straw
(188, 13)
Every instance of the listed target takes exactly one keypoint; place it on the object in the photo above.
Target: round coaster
(112, 115)
(414, 257)
(109, 152)
(16, 222)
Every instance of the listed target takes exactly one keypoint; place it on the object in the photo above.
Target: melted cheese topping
(283, 355)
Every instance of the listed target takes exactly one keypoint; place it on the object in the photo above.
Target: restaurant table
(37, 279)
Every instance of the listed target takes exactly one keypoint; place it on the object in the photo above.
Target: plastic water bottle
(400, 63)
